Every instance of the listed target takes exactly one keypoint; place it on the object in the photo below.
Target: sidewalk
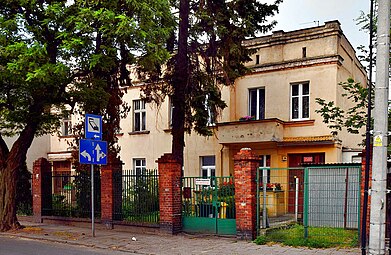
(158, 243)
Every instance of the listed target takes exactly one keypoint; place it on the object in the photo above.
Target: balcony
(250, 131)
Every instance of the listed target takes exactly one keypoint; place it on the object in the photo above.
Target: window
(257, 59)
(208, 168)
(139, 115)
(210, 121)
(300, 101)
(66, 126)
(139, 165)
(304, 52)
(264, 164)
(171, 112)
(257, 103)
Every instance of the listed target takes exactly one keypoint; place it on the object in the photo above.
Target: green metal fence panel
(208, 205)
(71, 194)
(136, 196)
(314, 202)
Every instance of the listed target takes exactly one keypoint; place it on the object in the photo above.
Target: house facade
(271, 110)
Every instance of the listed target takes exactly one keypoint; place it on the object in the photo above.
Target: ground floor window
(208, 166)
(139, 165)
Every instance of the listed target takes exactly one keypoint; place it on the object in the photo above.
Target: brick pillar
(170, 202)
(111, 190)
(363, 160)
(245, 167)
(41, 188)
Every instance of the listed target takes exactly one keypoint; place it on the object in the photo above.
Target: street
(22, 246)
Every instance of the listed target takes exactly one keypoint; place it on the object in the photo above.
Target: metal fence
(69, 194)
(208, 205)
(315, 201)
(136, 196)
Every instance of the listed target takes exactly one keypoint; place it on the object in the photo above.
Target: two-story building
(271, 110)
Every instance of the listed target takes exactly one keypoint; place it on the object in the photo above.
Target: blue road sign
(93, 127)
(92, 152)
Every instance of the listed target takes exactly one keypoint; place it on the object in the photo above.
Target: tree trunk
(10, 162)
(180, 83)
(8, 218)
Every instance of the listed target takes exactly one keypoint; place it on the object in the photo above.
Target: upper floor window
(139, 115)
(66, 126)
(208, 166)
(170, 112)
(257, 103)
(300, 101)
(210, 121)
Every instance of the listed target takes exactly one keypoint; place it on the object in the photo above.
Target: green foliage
(82, 184)
(215, 56)
(24, 199)
(319, 237)
(354, 118)
(142, 198)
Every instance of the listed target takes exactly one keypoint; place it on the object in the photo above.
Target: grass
(318, 237)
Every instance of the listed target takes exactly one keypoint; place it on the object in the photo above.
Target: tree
(210, 54)
(55, 55)
(354, 118)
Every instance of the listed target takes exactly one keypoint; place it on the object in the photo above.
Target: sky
(298, 14)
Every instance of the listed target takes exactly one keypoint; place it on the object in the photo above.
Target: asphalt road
(22, 246)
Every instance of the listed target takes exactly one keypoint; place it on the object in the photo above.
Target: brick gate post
(111, 190)
(245, 167)
(170, 201)
(41, 188)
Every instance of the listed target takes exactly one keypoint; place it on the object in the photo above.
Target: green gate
(208, 205)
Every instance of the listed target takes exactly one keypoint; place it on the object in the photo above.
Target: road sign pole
(92, 202)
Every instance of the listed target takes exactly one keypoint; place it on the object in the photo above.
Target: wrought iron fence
(136, 196)
(69, 195)
(314, 202)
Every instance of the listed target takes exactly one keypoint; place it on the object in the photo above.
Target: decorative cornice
(298, 63)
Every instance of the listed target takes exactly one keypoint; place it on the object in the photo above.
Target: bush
(24, 198)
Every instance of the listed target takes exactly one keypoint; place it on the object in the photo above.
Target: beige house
(290, 70)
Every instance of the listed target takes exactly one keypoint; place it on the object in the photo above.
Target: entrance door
(296, 161)
(208, 205)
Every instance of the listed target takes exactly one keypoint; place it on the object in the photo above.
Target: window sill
(144, 132)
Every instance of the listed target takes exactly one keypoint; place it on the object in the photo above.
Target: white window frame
(265, 166)
(209, 168)
(300, 97)
(139, 165)
(210, 121)
(171, 112)
(66, 126)
(257, 114)
(140, 113)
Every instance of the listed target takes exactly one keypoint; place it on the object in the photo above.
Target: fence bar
(296, 198)
(264, 209)
(258, 205)
(305, 219)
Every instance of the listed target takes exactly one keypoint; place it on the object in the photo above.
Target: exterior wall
(329, 59)
(39, 148)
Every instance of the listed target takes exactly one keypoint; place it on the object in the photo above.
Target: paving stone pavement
(158, 243)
